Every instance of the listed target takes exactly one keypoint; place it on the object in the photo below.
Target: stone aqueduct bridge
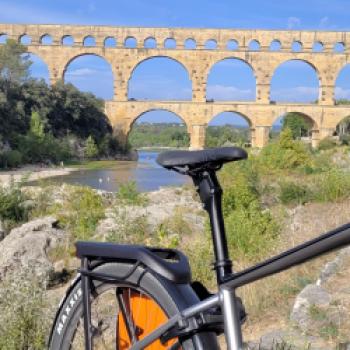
(196, 113)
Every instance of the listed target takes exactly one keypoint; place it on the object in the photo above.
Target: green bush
(128, 194)
(12, 205)
(25, 317)
(326, 143)
(80, 212)
(250, 229)
(285, 153)
(332, 186)
(10, 159)
(292, 193)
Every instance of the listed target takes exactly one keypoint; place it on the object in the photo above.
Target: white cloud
(324, 22)
(293, 22)
(221, 92)
(297, 94)
(341, 93)
(82, 72)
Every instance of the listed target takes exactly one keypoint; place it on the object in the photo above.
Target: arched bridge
(190, 48)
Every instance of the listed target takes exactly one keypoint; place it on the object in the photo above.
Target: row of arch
(228, 80)
(171, 43)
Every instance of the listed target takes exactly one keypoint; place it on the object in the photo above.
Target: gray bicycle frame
(226, 298)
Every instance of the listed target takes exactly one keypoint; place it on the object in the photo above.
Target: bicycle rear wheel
(125, 312)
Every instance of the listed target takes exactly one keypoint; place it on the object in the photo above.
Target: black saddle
(191, 160)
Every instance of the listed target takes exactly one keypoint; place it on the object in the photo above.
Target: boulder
(28, 246)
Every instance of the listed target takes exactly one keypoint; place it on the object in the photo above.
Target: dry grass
(269, 301)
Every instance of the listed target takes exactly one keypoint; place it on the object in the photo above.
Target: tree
(298, 124)
(91, 150)
(37, 126)
(14, 62)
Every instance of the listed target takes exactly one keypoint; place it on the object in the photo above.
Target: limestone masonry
(197, 113)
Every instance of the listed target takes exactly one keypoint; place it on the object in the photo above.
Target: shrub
(285, 153)
(81, 211)
(12, 205)
(91, 150)
(326, 143)
(24, 318)
(128, 194)
(292, 193)
(10, 159)
(332, 186)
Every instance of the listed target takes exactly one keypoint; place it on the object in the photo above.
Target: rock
(311, 295)
(28, 246)
(2, 231)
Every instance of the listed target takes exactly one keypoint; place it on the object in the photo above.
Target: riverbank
(33, 173)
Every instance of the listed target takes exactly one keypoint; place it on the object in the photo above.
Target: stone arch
(3, 38)
(342, 85)
(103, 88)
(25, 39)
(67, 40)
(275, 45)
(169, 43)
(130, 42)
(230, 92)
(110, 42)
(342, 129)
(190, 44)
(211, 44)
(150, 43)
(167, 57)
(254, 45)
(308, 131)
(46, 39)
(139, 114)
(339, 47)
(232, 44)
(317, 47)
(226, 131)
(304, 91)
(297, 46)
(89, 41)
(39, 69)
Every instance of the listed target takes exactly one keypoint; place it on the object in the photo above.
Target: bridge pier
(261, 136)
(197, 137)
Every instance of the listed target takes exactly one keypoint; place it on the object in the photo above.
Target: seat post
(210, 192)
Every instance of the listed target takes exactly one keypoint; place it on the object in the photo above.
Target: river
(147, 174)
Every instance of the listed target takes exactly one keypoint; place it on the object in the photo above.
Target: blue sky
(164, 79)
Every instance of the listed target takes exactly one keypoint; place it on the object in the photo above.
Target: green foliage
(12, 205)
(332, 186)
(326, 143)
(159, 135)
(217, 136)
(14, 64)
(293, 193)
(250, 229)
(298, 124)
(285, 153)
(24, 318)
(37, 126)
(128, 194)
(80, 212)
(10, 159)
(91, 150)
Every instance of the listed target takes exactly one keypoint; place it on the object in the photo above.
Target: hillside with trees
(47, 124)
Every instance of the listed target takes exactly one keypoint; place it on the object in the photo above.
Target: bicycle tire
(170, 297)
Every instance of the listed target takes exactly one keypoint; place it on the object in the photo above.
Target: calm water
(147, 174)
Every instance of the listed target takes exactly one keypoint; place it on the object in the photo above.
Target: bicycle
(137, 297)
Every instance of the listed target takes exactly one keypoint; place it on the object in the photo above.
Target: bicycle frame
(225, 298)
(210, 193)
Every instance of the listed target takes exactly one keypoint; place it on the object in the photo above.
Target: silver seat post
(232, 324)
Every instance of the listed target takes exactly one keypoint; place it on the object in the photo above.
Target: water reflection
(147, 174)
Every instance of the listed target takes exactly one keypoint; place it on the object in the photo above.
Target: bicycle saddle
(214, 157)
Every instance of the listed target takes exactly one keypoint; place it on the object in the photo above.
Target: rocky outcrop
(28, 246)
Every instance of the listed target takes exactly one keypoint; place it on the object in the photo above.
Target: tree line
(49, 124)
